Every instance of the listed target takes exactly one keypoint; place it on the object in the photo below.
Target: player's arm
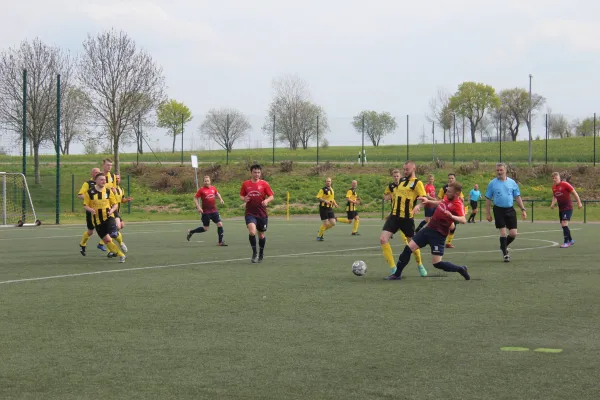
(553, 202)
(321, 197)
(577, 198)
(458, 219)
(270, 195)
(427, 200)
(198, 206)
(220, 198)
(349, 197)
(243, 195)
(112, 200)
(519, 201)
(87, 202)
(84, 188)
(441, 193)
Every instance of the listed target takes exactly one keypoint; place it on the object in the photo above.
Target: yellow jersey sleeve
(441, 193)
(420, 189)
(86, 199)
(84, 188)
(321, 194)
(350, 195)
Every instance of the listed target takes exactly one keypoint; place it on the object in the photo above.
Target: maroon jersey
(257, 192)
(430, 190)
(562, 193)
(208, 196)
(440, 221)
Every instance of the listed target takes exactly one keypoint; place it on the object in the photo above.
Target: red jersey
(257, 192)
(208, 196)
(430, 190)
(562, 193)
(440, 221)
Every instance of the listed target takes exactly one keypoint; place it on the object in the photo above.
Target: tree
(441, 113)
(225, 126)
(515, 105)
(117, 77)
(584, 128)
(471, 101)
(293, 113)
(537, 101)
(74, 115)
(377, 125)
(558, 125)
(42, 63)
(173, 115)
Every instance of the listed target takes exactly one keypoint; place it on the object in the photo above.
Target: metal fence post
(585, 211)
(128, 194)
(480, 210)
(532, 210)
(382, 208)
(72, 193)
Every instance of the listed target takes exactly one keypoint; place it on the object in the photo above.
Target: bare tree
(118, 78)
(310, 115)
(225, 126)
(293, 113)
(42, 63)
(73, 119)
(440, 111)
(537, 101)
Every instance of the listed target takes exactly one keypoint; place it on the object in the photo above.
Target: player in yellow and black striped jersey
(110, 177)
(101, 203)
(441, 194)
(87, 185)
(352, 200)
(326, 197)
(403, 193)
(121, 199)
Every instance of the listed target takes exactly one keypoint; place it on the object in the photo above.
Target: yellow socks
(114, 248)
(355, 226)
(344, 220)
(84, 239)
(322, 230)
(120, 238)
(418, 259)
(388, 255)
(450, 237)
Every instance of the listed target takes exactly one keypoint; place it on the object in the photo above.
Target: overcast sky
(381, 54)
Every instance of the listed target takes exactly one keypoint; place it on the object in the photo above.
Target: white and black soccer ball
(359, 268)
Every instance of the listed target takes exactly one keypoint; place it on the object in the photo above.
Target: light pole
(530, 121)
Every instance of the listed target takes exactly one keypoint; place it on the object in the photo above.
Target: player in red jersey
(429, 209)
(257, 194)
(561, 194)
(450, 210)
(208, 210)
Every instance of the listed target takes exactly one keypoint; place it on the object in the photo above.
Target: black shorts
(474, 204)
(433, 238)
(505, 217)
(351, 214)
(88, 221)
(565, 215)
(326, 213)
(394, 224)
(260, 222)
(117, 215)
(429, 212)
(214, 217)
(108, 227)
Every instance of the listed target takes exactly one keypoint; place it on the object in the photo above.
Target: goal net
(15, 201)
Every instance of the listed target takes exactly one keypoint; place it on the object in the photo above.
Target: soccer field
(190, 320)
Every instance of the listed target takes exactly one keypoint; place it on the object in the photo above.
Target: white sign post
(195, 166)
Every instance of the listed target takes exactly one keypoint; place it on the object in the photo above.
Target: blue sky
(382, 55)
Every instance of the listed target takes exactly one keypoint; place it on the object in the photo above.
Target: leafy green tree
(173, 115)
(377, 125)
(585, 127)
(471, 101)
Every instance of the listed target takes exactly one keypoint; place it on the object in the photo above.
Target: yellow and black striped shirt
(443, 191)
(404, 197)
(101, 201)
(110, 180)
(327, 194)
(390, 188)
(87, 185)
(352, 196)
(119, 194)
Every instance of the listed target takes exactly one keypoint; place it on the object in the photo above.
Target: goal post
(17, 206)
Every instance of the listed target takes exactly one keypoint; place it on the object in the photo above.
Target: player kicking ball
(449, 210)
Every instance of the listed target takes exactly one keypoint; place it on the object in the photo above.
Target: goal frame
(4, 202)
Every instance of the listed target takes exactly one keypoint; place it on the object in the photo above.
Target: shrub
(325, 144)
(164, 182)
(321, 168)
(286, 165)
(439, 164)
(465, 169)
(422, 169)
(214, 171)
(138, 169)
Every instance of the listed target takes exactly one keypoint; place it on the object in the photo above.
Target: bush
(422, 169)
(90, 147)
(465, 169)
(325, 144)
(286, 166)
(164, 182)
(138, 170)
(321, 168)
(439, 164)
(215, 171)
(476, 164)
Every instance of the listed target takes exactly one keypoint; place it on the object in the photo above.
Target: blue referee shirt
(502, 193)
(474, 195)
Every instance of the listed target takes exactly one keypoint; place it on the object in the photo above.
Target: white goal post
(16, 205)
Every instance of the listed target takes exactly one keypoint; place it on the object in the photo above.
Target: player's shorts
(394, 224)
(88, 221)
(214, 217)
(351, 215)
(505, 217)
(474, 204)
(117, 215)
(107, 227)
(326, 213)
(565, 215)
(429, 211)
(260, 222)
(431, 237)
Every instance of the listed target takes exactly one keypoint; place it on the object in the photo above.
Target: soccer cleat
(422, 271)
(222, 244)
(122, 259)
(572, 242)
(463, 272)
(507, 257)
(449, 246)
(320, 238)
(124, 247)
(189, 235)
(565, 245)
(392, 278)
(260, 258)
(111, 254)
(393, 270)
(82, 250)
(101, 247)
(355, 234)
(254, 259)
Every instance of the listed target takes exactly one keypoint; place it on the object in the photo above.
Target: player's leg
(500, 223)
(408, 230)
(356, 222)
(389, 228)
(107, 230)
(204, 228)
(261, 227)
(450, 237)
(323, 213)
(565, 217)
(251, 225)
(511, 226)
(220, 231)
(404, 258)
(347, 219)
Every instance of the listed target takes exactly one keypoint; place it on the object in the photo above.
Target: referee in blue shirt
(503, 191)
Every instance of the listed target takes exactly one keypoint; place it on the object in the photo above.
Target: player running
(429, 209)
(257, 194)
(120, 197)
(352, 200)
(449, 210)
(474, 196)
(441, 194)
(326, 197)
(561, 195)
(208, 210)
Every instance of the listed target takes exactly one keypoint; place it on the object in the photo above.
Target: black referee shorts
(505, 217)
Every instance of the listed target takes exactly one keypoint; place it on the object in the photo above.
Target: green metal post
(24, 122)
(57, 149)
(72, 193)
(382, 209)
(128, 194)
(480, 210)
(532, 210)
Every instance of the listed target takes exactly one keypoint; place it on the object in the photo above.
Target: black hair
(255, 166)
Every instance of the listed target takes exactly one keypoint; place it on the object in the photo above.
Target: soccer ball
(359, 268)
